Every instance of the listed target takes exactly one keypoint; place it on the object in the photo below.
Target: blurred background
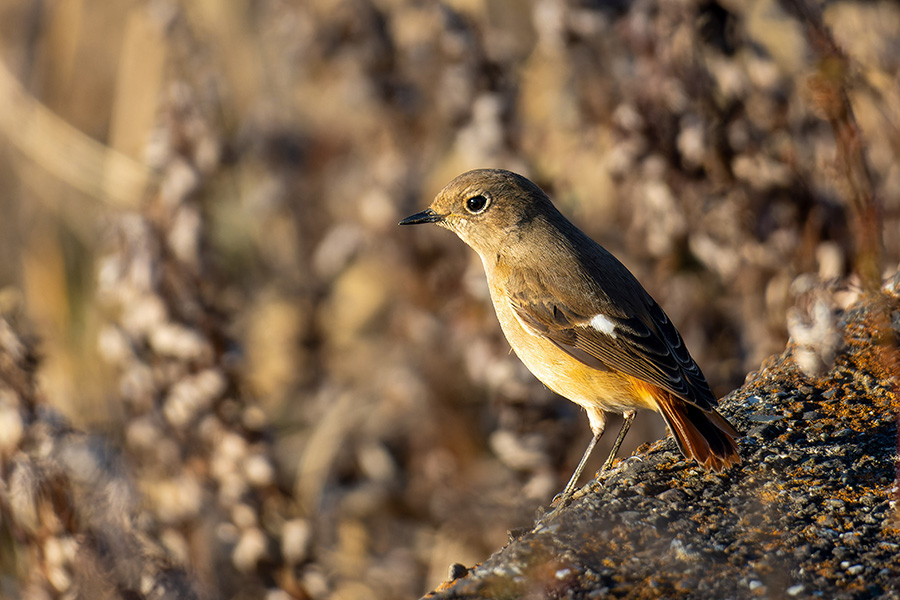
(199, 203)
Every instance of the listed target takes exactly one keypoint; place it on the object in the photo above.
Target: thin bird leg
(570, 487)
(626, 425)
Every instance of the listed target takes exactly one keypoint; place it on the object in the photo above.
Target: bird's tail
(705, 436)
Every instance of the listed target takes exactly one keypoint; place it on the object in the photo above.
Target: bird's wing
(646, 347)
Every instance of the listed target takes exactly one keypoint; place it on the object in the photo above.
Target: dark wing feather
(648, 348)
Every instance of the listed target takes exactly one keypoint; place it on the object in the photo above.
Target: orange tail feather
(705, 436)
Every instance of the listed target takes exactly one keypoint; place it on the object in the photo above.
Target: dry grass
(283, 392)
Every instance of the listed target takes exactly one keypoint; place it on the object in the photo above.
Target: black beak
(426, 216)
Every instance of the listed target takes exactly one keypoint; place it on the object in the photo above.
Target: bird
(579, 319)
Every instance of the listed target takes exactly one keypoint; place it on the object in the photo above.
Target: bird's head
(487, 208)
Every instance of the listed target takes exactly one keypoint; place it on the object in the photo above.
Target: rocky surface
(811, 512)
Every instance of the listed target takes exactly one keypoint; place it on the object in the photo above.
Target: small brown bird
(578, 319)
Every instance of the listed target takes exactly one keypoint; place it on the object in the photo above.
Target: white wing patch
(604, 325)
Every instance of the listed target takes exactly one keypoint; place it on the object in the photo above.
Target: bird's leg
(597, 419)
(626, 425)
(570, 487)
(598, 426)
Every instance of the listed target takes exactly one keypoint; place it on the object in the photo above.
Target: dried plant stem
(829, 93)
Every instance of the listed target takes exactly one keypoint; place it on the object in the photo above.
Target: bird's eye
(476, 204)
